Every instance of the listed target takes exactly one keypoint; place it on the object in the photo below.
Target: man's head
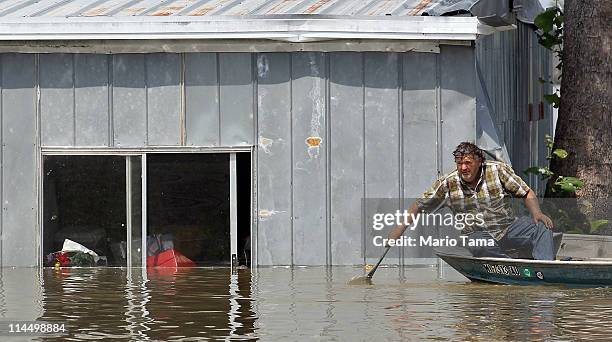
(469, 159)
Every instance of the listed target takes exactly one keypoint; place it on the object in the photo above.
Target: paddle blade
(360, 280)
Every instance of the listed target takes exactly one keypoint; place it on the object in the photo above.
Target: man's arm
(432, 198)
(531, 202)
(399, 230)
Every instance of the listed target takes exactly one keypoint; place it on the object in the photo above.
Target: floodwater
(297, 304)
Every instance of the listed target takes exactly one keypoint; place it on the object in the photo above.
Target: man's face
(468, 167)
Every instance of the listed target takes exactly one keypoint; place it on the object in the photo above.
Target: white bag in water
(71, 246)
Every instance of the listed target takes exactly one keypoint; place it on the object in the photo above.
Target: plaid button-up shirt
(497, 184)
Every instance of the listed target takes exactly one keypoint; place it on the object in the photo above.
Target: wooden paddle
(367, 279)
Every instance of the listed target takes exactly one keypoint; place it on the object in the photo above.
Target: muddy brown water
(297, 304)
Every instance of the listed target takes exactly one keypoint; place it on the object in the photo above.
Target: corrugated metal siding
(139, 102)
(330, 128)
(91, 100)
(513, 63)
(274, 159)
(309, 157)
(19, 244)
(126, 8)
(380, 109)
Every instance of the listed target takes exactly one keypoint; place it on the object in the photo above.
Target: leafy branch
(550, 35)
(566, 186)
(563, 184)
(550, 31)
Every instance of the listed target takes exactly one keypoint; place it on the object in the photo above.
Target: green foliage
(560, 153)
(565, 218)
(550, 35)
(597, 225)
(567, 184)
(82, 259)
(553, 99)
(549, 142)
(544, 172)
(550, 30)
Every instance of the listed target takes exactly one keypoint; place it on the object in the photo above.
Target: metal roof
(282, 20)
(145, 8)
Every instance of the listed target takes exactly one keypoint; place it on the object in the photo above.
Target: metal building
(333, 101)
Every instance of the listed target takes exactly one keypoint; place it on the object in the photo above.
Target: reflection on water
(297, 304)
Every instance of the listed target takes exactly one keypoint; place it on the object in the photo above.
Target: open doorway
(84, 201)
(244, 199)
(191, 209)
(188, 205)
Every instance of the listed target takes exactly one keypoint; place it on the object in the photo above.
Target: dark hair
(467, 148)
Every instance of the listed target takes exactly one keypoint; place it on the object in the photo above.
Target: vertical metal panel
(458, 100)
(419, 111)
(201, 99)
(129, 101)
(19, 206)
(382, 140)
(346, 159)
(56, 99)
(163, 98)
(236, 99)
(274, 159)
(420, 150)
(309, 158)
(91, 100)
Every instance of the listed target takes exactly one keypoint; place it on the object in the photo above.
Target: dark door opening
(84, 200)
(243, 185)
(188, 205)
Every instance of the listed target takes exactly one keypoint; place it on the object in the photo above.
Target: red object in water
(169, 258)
(63, 259)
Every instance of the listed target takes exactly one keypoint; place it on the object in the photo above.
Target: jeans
(522, 234)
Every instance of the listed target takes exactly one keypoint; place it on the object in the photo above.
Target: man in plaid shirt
(479, 186)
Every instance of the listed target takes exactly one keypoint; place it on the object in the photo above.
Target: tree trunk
(584, 127)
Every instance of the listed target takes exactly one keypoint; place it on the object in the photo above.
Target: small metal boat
(573, 273)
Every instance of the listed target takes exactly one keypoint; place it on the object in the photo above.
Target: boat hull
(532, 272)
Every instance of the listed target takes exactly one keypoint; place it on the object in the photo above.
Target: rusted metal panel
(309, 162)
(236, 99)
(163, 99)
(382, 136)
(57, 99)
(275, 7)
(129, 101)
(346, 157)
(20, 231)
(201, 99)
(274, 192)
(103, 8)
(91, 99)
(144, 8)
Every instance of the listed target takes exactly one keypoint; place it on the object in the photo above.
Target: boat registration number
(508, 270)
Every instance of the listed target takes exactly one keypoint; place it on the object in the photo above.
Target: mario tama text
(430, 241)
